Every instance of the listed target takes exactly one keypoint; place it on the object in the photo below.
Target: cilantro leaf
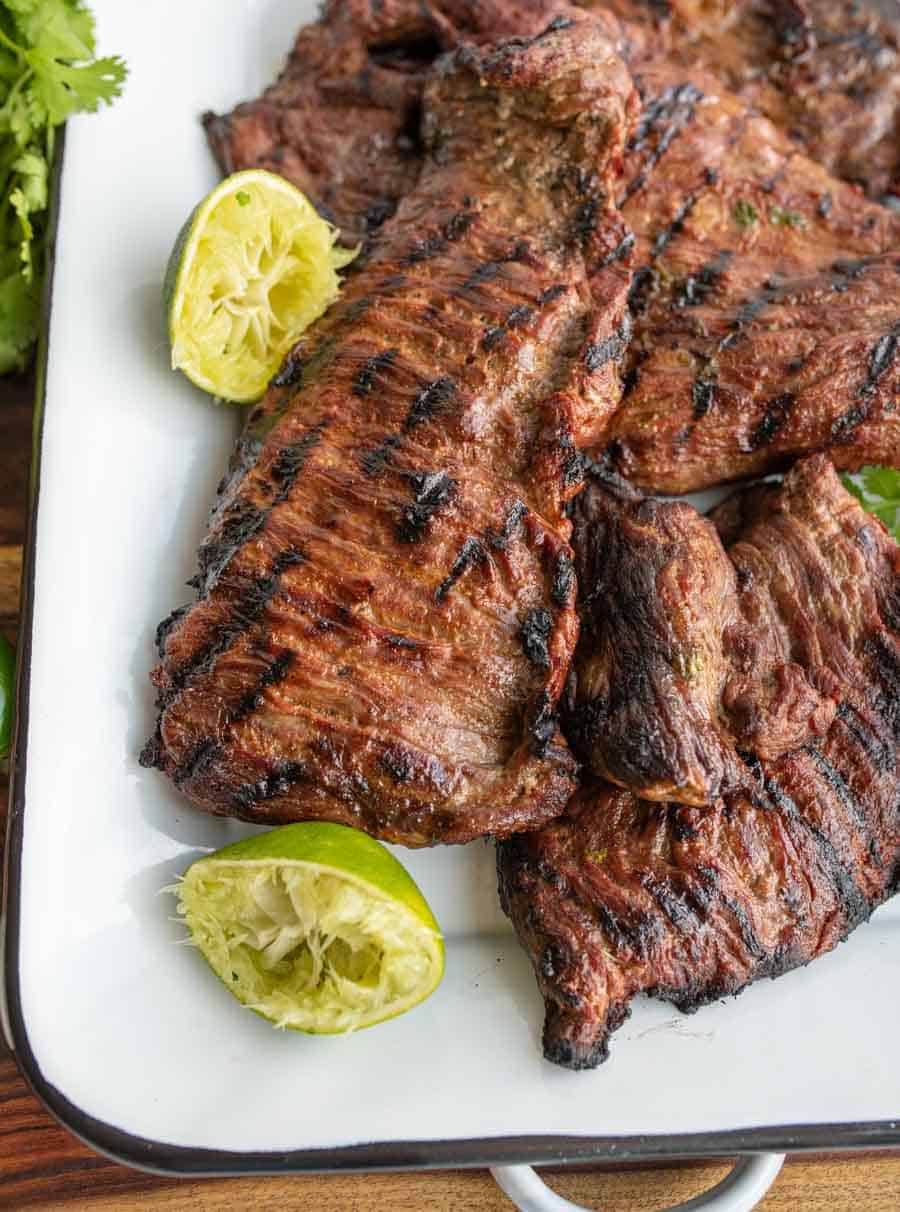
(786, 218)
(19, 315)
(58, 27)
(48, 71)
(878, 489)
(59, 89)
(744, 213)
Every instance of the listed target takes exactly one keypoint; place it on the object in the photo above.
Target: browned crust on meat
(825, 72)
(624, 896)
(765, 300)
(386, 614)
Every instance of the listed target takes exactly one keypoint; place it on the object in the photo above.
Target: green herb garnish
(744, 213)
(47, 72)
(878, 489)
(786, 218)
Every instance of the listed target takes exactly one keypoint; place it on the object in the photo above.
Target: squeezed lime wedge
(253, 266)
(315, 926)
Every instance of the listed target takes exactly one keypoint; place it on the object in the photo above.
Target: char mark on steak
(782, 654)
(766, 324)
(342, 121)
(391, 541)
(825, 72)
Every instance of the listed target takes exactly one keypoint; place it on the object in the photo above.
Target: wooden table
(43, 1166)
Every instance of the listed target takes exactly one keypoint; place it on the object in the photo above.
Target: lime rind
(309, 945)
(252, 268)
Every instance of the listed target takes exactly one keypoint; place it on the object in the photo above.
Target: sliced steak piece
(766, 300)
(692, 656)
(657, 592)
(625, 895)
(827, 73)
(342, 120)
(386, 612)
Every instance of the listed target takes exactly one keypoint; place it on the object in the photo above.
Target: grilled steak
(689, 654)
(827, 73)
(766, 300)
(386, 617)
(626, 895)
(766, 296)
(342, 120)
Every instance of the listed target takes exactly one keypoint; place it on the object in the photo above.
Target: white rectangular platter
(124, 1032)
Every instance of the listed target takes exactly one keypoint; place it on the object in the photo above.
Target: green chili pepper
(7, 678)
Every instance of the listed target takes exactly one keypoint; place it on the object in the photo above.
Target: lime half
(253, 266)
(314, 926)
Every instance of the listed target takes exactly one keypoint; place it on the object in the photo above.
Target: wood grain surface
(43, 1166)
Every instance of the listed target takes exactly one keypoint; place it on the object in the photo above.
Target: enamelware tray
(122, 1030)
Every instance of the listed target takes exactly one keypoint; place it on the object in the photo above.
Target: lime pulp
(315, 926)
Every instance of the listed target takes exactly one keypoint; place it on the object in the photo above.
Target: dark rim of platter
(160, 1157)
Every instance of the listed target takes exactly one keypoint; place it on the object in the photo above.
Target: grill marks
(703, 393)
(800, 840)
(247, 612)
(435, 245)
(839, 874)
(431, 492)
(821, 321)
(620, 253)
(472, 552)
(535, 632)
(368, 376)
(563, 590)
(881, 359)
(675, 227)
(476, 551)
(518, 317)
(836, 782)
(432, 401)
(209, 749)
(775, 416)
(421, 481)
(696, 288)
(244, 519)
(613, 349)
(751, 308)
(278, 782)
(661, 123)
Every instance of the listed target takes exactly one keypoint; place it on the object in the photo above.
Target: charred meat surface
(626, 895)
(826, 72)
(386, 612)
(657, 592)
(691, 655)
(765, 300)
(342, 120)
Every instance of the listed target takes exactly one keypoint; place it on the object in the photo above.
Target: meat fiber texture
(342, 122)
(765, 300)
(759, 823)
(826, 72)
(386, 597)
(764, 292)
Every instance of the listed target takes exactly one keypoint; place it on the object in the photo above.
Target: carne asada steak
(342, 120)
(626, 895)
(689, 654)
(766, 300)
(826, 72)
(386, 613)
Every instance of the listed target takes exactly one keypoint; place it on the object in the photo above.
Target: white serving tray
(124, 1033)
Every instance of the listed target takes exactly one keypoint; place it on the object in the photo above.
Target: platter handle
(739, 1191)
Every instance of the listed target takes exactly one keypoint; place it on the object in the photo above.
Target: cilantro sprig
(878, 489)
(48, 71)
